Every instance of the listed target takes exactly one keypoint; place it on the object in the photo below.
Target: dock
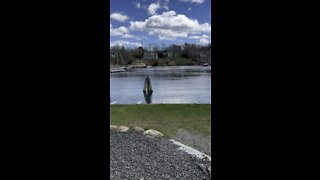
(116, 71)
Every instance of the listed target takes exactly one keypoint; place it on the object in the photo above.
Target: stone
(113, 127)
(123, 129)
(153, 133)
(138, 129)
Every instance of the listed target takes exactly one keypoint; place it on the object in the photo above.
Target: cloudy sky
(142, 22)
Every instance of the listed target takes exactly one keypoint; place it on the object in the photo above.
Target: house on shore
(150, 56)
(170, 54)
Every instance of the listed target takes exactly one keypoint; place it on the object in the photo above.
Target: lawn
(166, 118)
(186, 61)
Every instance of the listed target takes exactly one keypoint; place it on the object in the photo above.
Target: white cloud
(119, 17)
(138, 5)
(204, 41)
(170, 25)
(166, 4)
(128, 36)
(123, 43)
(166, 34)
(152, 9)
(193, 1)
(120, 31)
(204, 36)
(137, 25)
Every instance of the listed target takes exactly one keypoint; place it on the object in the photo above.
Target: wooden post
(147, 85)
(147, 97)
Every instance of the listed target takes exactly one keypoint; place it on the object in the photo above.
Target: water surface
(171, 85)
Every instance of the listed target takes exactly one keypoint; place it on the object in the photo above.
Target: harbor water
(170, 84)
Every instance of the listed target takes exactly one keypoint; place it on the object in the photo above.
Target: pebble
(135, 156)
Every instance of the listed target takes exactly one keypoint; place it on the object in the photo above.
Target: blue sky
(141, 22)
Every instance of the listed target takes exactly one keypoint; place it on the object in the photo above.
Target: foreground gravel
(137, 156)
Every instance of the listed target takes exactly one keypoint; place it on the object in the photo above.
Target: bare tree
(175, 50)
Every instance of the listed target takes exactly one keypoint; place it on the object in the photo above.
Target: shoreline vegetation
(155, 55)
(179, 61)
(187, 123)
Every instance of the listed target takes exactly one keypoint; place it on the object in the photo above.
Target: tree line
(195, 52)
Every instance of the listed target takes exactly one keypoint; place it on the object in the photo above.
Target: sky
(136, 23)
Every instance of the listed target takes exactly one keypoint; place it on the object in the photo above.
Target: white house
(150, 56)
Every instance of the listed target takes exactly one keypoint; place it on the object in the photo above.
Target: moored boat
(116, 70)
(140, 65)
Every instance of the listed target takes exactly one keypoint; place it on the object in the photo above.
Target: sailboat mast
(142, 52)
(117, 60)
(122, 60)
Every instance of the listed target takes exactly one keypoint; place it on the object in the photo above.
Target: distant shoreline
(178, 61)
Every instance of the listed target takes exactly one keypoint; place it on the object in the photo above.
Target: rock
(153, 133)
(138, 129)
(123, 129)
(113, 127)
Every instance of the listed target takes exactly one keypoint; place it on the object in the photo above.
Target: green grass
(166, 118)
(185, 61)
(176, 61)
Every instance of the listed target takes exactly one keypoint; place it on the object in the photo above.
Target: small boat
(140, 65)
(126, 67)
(116, 70)
(205, 64)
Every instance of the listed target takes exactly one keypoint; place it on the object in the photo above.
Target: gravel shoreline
(198, 142)
(137, 156)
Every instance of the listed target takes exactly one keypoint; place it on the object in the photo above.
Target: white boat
(117, 68)
(126, 67)
(139, 65)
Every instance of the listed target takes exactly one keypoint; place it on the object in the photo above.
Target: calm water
(171, 85)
